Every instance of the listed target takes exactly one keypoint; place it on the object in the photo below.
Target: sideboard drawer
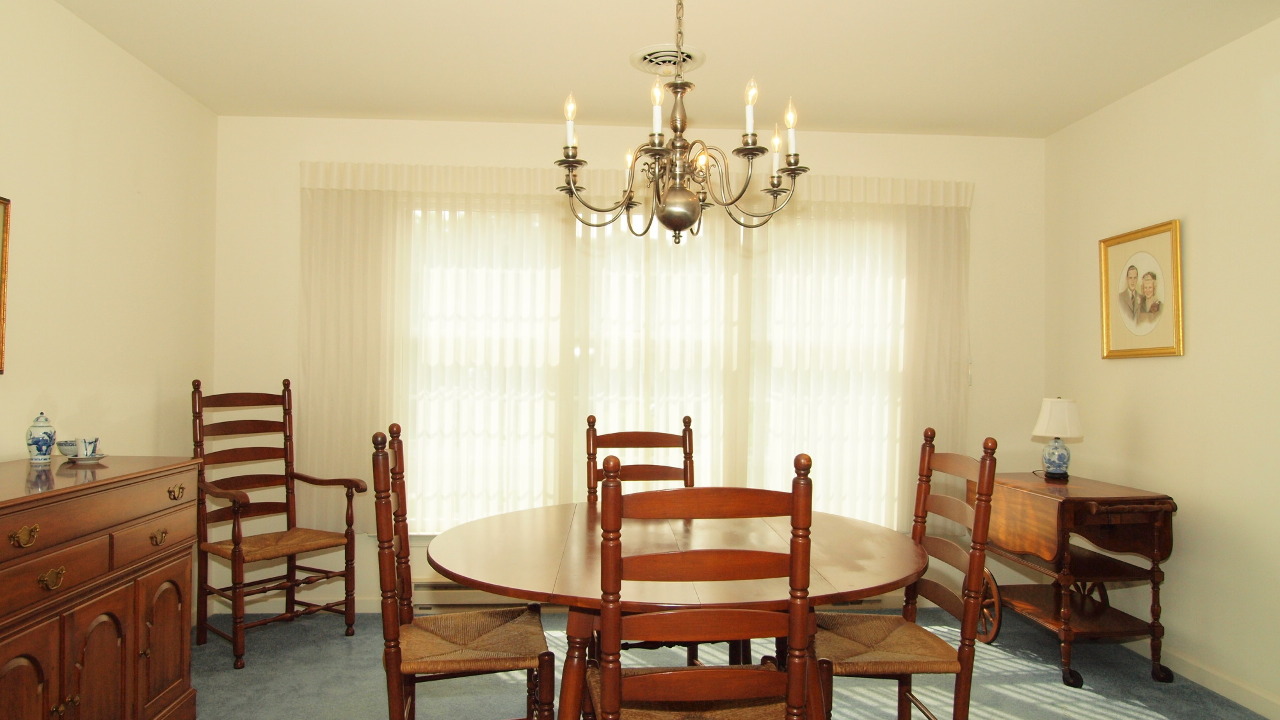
(154, 535)
(55, 573)
(27, 532)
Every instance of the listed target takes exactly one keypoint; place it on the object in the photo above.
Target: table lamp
(1058, 419)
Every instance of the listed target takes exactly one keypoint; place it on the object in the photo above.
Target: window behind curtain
(472, 311)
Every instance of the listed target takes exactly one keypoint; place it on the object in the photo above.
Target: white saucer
(85, 458)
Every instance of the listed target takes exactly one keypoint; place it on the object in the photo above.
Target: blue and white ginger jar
(40, 439)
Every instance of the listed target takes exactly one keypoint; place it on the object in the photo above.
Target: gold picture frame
(1141, 281)
(4, 270)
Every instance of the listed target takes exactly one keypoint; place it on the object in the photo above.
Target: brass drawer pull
(52, 579)
(25, 536)
(177, 491)
(145, 653)
(158, 537)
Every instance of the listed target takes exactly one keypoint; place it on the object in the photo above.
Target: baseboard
(1259, 700)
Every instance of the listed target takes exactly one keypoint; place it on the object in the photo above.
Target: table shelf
(1090, 617)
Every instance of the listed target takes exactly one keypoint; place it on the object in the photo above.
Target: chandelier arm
(775, 209)
(744, 223)
(648, 221)
(572, 190)
(726, 187)
(614, 214)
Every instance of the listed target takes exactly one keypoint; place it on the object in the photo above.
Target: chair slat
(707, 502)
(706, 625)
(253, 509)
(639, 439)
(953, 509)
(955, 464)
(706, 684)
(948, 550)
(942, 596)
(249, 482)
(241, 400)
(247, 426)
(243, 454)
(706, 565)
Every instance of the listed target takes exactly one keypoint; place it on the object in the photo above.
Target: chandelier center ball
(680, 209)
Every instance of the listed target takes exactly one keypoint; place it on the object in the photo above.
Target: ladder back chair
(740, 692)
(239, 483)
(648, 440)
(639, 440)
(896, 647)
(438, 647)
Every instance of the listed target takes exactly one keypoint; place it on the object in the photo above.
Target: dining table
(551, 555)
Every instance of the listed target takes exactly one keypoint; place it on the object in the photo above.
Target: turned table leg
(579, 628)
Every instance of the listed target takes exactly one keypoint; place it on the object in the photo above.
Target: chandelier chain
(680, 39)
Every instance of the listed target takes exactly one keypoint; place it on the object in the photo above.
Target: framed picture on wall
(1141, 279)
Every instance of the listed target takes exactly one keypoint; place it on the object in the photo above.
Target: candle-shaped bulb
(751, 94)
(790, 119)
(655, 96)
(570, 111)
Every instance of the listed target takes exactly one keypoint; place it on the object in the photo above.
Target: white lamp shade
(1058, 419)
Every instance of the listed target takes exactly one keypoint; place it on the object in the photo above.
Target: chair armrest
(235, 496)
(352, 483)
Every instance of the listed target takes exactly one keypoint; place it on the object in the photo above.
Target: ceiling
(1014, 68)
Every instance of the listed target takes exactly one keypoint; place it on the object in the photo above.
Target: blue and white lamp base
(1056, 458)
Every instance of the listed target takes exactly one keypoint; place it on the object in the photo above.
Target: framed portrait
(1141, 279)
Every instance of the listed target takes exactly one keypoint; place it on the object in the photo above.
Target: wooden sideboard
(95, 589)
(1032, 523)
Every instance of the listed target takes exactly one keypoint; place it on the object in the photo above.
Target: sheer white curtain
(859, 338)
(465, 305)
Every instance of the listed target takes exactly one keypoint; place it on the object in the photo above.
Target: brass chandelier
(684, 177)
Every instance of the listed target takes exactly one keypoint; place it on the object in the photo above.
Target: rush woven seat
(484, 640)
(247, 483)
(882, 644)
(438, 647)
(277, 544)
(879, 646)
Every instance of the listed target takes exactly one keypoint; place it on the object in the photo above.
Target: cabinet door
(164, 636)
(29, 673)
(100, 657)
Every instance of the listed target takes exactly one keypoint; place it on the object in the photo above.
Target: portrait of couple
(1138, 298)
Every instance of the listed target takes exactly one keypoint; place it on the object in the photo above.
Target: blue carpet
(308, 670)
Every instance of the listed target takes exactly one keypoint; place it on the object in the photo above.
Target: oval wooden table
(552, 555)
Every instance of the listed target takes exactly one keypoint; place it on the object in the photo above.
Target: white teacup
(88, 447)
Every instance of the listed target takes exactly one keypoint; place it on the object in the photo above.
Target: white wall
(111, 173)
(1203, 146)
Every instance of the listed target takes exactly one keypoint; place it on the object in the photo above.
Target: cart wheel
(1071, 678)
(1095, 590)
(989, 610)
(1160, 673)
